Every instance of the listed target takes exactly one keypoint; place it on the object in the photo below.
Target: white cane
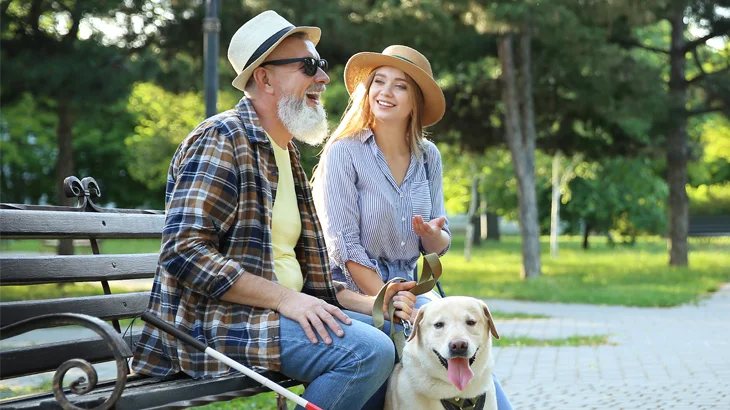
(168, 328)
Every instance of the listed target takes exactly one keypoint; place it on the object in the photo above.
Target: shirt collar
(254, 131)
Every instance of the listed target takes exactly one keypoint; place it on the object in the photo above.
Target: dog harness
(457, 403)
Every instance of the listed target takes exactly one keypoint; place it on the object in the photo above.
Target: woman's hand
(432, 229)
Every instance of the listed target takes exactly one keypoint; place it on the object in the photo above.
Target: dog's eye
(438, 325)
(471, 322)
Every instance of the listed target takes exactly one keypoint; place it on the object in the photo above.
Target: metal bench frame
(128, 391)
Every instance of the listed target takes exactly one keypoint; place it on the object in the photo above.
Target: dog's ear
(490, 321)
(417, 325)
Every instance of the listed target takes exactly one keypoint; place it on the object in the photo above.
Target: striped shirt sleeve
(341, 215)
(436, 183)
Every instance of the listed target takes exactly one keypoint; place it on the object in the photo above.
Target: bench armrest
(113, 339)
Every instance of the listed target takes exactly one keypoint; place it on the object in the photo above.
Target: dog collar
(457, 403)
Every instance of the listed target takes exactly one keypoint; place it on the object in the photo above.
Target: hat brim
(362, 64)
(313, 34)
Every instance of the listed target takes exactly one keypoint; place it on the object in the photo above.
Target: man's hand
(310, 311)
(403, 300)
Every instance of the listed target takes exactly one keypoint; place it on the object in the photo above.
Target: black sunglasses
(311, 64)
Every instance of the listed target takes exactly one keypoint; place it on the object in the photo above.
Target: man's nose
(321, 77)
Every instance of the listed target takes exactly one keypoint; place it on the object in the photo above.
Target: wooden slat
(47, 357)
(21, 270)
(59, 224)
(106, 307)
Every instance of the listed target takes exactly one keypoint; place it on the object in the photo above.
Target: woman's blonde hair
(358, 115)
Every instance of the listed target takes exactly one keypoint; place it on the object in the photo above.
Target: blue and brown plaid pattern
(220, 192)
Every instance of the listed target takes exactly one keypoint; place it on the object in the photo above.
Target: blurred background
(613, 113)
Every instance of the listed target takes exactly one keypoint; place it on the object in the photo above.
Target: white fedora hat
(257, 38)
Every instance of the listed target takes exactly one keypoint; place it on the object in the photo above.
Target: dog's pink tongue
(459, 372)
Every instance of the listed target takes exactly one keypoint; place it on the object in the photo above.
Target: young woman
(378, 189)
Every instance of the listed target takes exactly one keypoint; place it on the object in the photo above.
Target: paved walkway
(672, 358)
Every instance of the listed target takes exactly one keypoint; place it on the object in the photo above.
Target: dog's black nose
(458, 347)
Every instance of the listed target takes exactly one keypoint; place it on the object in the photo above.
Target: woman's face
(389, 95)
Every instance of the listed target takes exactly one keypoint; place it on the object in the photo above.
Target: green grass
(636, 275)
(570, 341)
(109, 246)
(264, 401)
(497, 315)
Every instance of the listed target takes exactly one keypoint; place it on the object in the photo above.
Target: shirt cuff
(225, 279)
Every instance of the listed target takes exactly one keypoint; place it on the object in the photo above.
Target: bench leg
(281, 402)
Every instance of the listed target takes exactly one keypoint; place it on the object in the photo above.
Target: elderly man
(243, 265)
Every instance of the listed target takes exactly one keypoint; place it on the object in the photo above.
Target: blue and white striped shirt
(365, 215)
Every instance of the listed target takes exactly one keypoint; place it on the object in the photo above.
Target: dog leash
(430, 275)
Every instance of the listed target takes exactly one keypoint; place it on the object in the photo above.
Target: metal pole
(211, 28)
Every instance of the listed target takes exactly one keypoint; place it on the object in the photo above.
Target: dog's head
(456, 332)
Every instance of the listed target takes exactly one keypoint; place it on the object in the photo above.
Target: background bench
(709, 225)
(99, 313)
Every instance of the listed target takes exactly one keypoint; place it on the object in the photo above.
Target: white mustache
(317, 88)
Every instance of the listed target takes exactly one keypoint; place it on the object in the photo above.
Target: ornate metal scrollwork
(85, 191)
(119, 349)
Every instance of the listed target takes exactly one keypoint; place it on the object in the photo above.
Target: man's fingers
(330, 321)
(339, 314)
(319, 327)
(304, 323)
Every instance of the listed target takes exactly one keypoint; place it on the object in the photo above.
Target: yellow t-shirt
(286, 224)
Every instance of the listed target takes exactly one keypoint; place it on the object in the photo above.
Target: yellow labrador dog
(447, 362)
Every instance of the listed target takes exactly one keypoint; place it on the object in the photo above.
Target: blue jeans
(352, 369)
(342, 375)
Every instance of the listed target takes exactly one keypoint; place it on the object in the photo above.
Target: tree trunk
(65, 163)
(555, 207)
(492, 226)
(472, 214)
(677, 145)
(586, 234)
(522, 149)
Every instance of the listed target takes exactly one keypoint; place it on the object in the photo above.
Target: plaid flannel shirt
(220, 193)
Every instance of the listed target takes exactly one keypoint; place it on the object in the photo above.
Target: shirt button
(403, 219)
(402, 243)
(401, 195)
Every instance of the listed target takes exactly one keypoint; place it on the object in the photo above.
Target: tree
(560, 179)
(520, 134)
(713, 18)
(57, 51)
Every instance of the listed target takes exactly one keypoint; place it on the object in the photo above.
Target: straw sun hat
(257, 38)
(410, 62)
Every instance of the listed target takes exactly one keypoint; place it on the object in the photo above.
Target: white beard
(307, 124)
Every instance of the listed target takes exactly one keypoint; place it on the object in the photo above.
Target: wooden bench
(127, 391)
(703, 226)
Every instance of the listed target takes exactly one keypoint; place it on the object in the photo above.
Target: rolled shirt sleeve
(200, 209)
(336, 198)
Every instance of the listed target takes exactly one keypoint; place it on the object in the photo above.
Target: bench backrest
(94, 224)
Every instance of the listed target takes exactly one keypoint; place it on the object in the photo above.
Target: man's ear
(490, 321)
(263, 80)
(417, 325)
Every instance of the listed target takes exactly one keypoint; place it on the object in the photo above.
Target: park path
(663, 358)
